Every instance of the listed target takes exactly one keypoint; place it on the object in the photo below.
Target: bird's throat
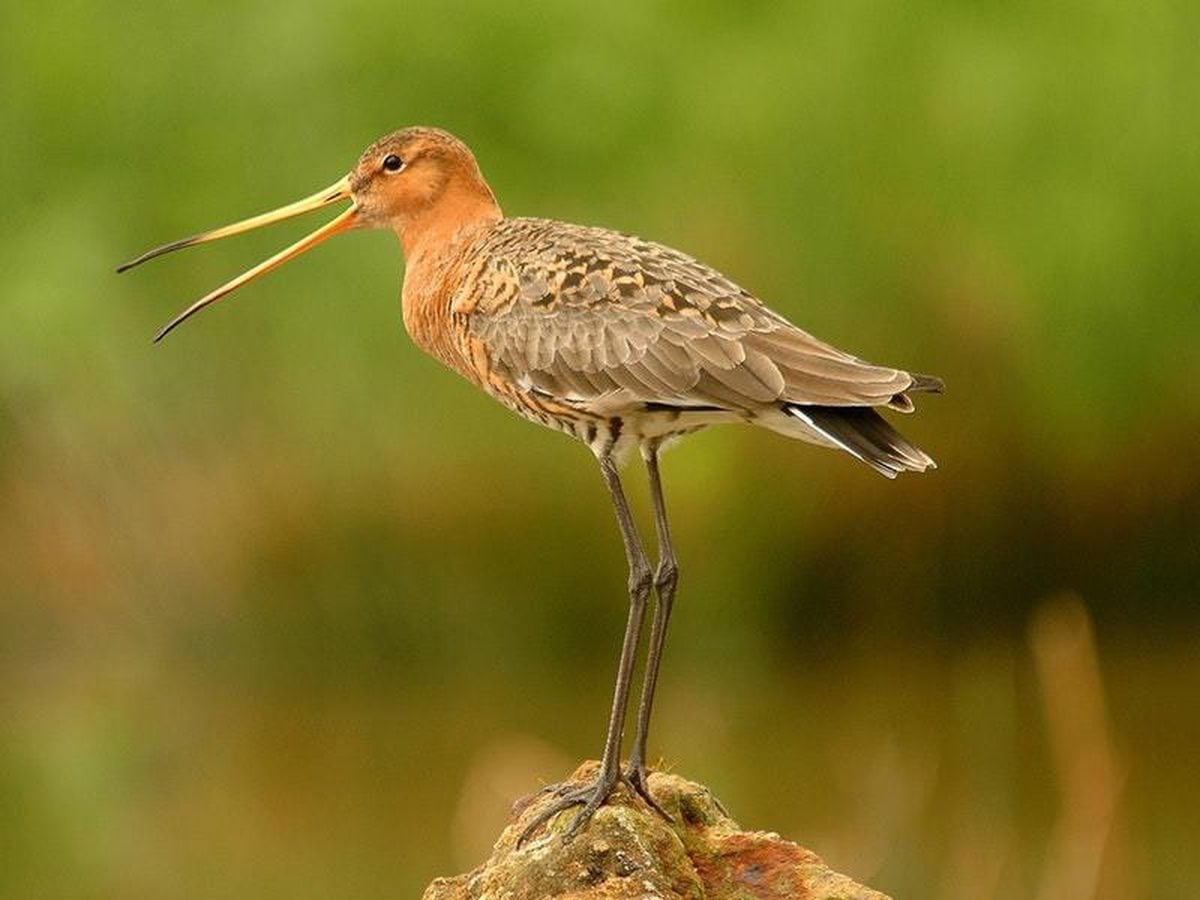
(461, 208)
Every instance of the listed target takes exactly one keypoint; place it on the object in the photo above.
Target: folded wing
(610, 321)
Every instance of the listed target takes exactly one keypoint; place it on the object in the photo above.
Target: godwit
(619, 342)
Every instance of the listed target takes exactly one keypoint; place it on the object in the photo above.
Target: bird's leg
(666, 577)
(591, 797)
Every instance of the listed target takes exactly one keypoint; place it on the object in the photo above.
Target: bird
(622, 343)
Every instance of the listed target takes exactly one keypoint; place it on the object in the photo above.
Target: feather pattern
(620, 341)
(589, 315)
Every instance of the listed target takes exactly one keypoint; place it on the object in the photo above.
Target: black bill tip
(159, 251)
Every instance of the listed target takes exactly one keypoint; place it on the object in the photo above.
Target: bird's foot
(589, 796)
(559, 788)
(637, 776)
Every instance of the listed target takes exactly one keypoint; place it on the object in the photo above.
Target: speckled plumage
(577, 327)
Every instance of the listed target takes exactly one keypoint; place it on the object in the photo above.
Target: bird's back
(603, 324)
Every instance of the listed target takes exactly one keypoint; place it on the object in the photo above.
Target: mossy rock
(628, 852)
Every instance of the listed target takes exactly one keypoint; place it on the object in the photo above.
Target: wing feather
(594, 316)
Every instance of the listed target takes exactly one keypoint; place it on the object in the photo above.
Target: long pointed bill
(339, 190)
(344, 222)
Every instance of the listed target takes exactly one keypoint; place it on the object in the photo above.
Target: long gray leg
(593, 796)
(666, 578)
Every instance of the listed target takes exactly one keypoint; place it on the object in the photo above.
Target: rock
(628, 851)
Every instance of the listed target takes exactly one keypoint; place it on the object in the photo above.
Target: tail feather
(930, 383)
(927, 383)
(864, 434)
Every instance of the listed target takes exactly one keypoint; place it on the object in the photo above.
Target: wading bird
(620, 342)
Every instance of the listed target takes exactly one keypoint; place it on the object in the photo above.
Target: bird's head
(416, 179)
(421, 183)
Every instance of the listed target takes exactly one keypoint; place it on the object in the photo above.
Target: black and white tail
(861, 432)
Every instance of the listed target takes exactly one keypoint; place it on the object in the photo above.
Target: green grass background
(287, 610)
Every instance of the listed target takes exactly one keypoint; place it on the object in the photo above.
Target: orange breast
(430, 283)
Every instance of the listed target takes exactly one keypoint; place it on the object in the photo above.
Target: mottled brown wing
(600, 318)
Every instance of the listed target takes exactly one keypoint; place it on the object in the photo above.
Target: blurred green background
(288, 610)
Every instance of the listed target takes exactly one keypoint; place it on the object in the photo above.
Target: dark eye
(392, 163)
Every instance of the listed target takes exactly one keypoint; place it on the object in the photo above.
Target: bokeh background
(288, 610)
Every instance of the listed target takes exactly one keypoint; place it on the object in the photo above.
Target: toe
(590, 797)
(638, 778)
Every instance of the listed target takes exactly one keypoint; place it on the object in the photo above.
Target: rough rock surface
(629, 851)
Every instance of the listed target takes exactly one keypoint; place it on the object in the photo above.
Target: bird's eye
(392, 163)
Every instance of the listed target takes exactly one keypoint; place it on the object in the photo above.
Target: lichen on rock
(629, 852)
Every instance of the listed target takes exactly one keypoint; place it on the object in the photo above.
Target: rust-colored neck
(464, 202)
(437, 242)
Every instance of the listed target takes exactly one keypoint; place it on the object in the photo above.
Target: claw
(590, 797)
(637, 778)
(581, 797)
(558, 789)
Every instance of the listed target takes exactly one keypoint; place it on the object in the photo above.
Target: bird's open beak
(339, 190)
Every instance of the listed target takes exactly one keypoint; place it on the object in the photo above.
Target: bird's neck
(464, 205)
(437, 241)
(438, 252)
